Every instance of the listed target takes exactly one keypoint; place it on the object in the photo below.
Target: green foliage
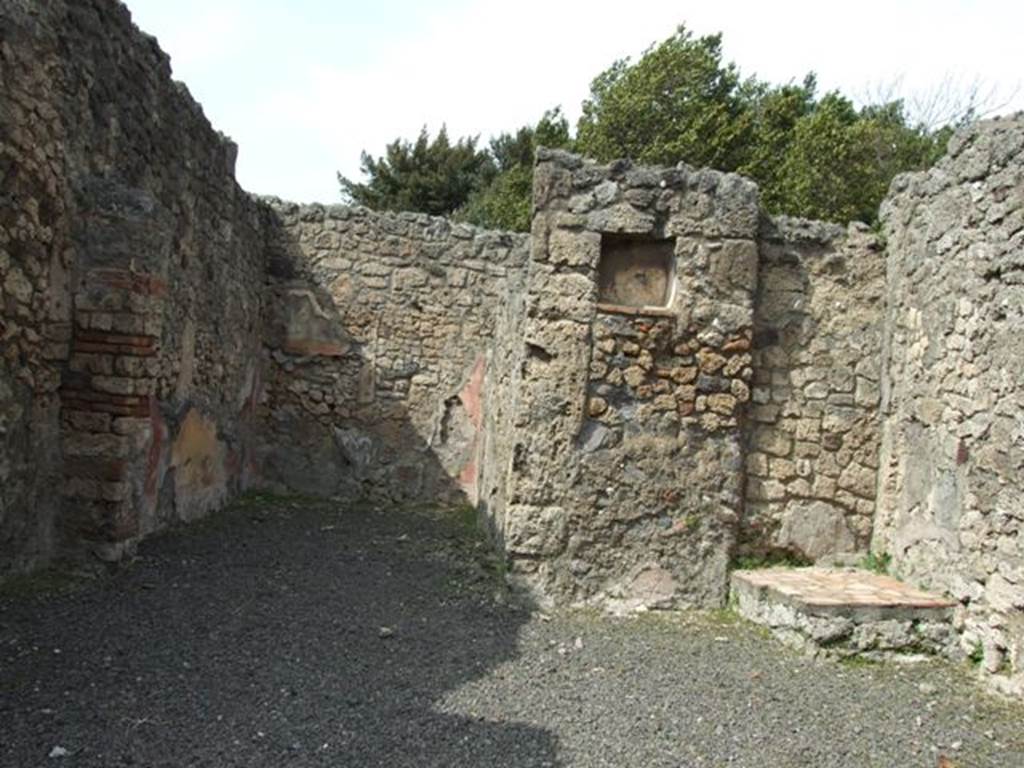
(464, 517)
(691, 522)
(434, 177)
(817, 157)
(977, 654)
(877, 563)
(678, 102)
(505, 202)
(488, 187)
(857, 661)
(841, 161)
(724, 617)
(824, 174)
(776, 113)
(552, 131)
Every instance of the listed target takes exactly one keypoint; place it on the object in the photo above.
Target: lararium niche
(625, 450)
(635, 272)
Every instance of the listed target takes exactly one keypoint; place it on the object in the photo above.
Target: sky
(304, 86)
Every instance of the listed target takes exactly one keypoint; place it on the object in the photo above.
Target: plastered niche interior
(635, 272)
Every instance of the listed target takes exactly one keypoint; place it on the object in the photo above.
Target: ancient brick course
(131, 262)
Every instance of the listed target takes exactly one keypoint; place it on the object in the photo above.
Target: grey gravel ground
(301, 633)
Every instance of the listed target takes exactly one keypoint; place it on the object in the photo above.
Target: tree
(678, 102)
(821, 173)
(435, 177)
(488, 187)
(776, 112)
(840, 162)
(505, 202)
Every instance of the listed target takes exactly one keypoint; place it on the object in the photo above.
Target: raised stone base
(846, 612)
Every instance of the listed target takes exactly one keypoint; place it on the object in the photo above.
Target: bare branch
(953, 100)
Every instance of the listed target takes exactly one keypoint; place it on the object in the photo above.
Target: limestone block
(859, 480)
(734, 265)
(574, 249)
(621, 218)
(815, 529)
(535, 531)
(1003, 595)
(772, 442)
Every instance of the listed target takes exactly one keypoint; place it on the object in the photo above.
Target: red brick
(90, 347)
(101, 397)
(96, 467)
(113, 410)
(114, 349)
(131, 281)
(104, 402)
(121, 339)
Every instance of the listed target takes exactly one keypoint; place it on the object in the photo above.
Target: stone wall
(656, 378)
(132, 289)
(624, 484)
(146, 299)
(505, 412)
(379, 352)
(35, 307)
(951, 497)
(813, 421)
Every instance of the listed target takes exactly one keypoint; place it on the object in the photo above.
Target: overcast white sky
(304, 85)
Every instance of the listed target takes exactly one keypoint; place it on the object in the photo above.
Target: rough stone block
(535, 531)
(815, 529)
(574, 248)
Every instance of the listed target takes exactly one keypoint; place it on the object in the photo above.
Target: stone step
(846, 612)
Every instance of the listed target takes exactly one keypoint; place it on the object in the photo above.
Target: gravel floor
(299, 633)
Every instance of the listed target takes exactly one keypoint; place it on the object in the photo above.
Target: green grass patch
(727, 616)
(465, 517)
(977, 654)
(877, 562)
(55, 580)
(256, 499)
(857, 661)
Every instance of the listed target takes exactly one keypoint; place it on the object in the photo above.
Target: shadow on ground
(254, 638)
(258, 638)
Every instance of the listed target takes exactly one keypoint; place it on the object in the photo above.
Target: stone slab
(845, 612)
(842, 591)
